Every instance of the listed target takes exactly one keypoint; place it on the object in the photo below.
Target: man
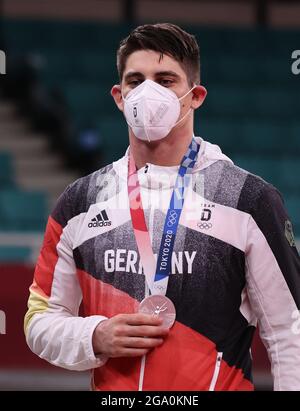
(169, 304)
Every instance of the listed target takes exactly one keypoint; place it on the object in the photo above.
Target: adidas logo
(101, 220)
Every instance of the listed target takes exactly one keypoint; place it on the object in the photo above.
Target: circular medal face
(161, 306)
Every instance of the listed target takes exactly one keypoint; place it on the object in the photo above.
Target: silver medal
(161, 306)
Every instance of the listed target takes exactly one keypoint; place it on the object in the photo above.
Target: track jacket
(234, 264)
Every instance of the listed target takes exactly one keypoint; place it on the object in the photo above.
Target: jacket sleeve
(273, 286)
(54, 330)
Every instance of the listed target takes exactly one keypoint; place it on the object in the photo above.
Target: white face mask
(152, 110)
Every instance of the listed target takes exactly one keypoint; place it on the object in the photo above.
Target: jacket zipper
(143, 359)
(142, 373)
(147, 293)
(216, 372)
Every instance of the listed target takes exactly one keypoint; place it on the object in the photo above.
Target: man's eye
(165, 82)
(134, 83)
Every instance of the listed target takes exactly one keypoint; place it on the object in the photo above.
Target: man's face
(166, 71)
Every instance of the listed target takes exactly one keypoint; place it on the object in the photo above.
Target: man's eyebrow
(167, 73)
(133, 74)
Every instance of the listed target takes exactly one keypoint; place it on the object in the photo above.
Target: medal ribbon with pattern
(157, 273)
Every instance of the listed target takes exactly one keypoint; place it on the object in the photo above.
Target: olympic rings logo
(159, 287)
(204, 226)
(172, 218)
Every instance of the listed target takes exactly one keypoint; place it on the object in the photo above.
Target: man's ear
(117, 96)
(199, 94)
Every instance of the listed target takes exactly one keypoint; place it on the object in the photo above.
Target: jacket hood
(153, 175)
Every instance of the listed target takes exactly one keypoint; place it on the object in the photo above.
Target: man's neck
(166, 152)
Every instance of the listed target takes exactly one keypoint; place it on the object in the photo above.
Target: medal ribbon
(157, 273)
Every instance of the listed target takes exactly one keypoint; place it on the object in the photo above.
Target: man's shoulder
(250, 180)
(233, 186)
(81, 194)
(80, 186)
(256, 192)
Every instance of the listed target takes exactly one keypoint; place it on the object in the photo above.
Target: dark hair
(165, 38)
